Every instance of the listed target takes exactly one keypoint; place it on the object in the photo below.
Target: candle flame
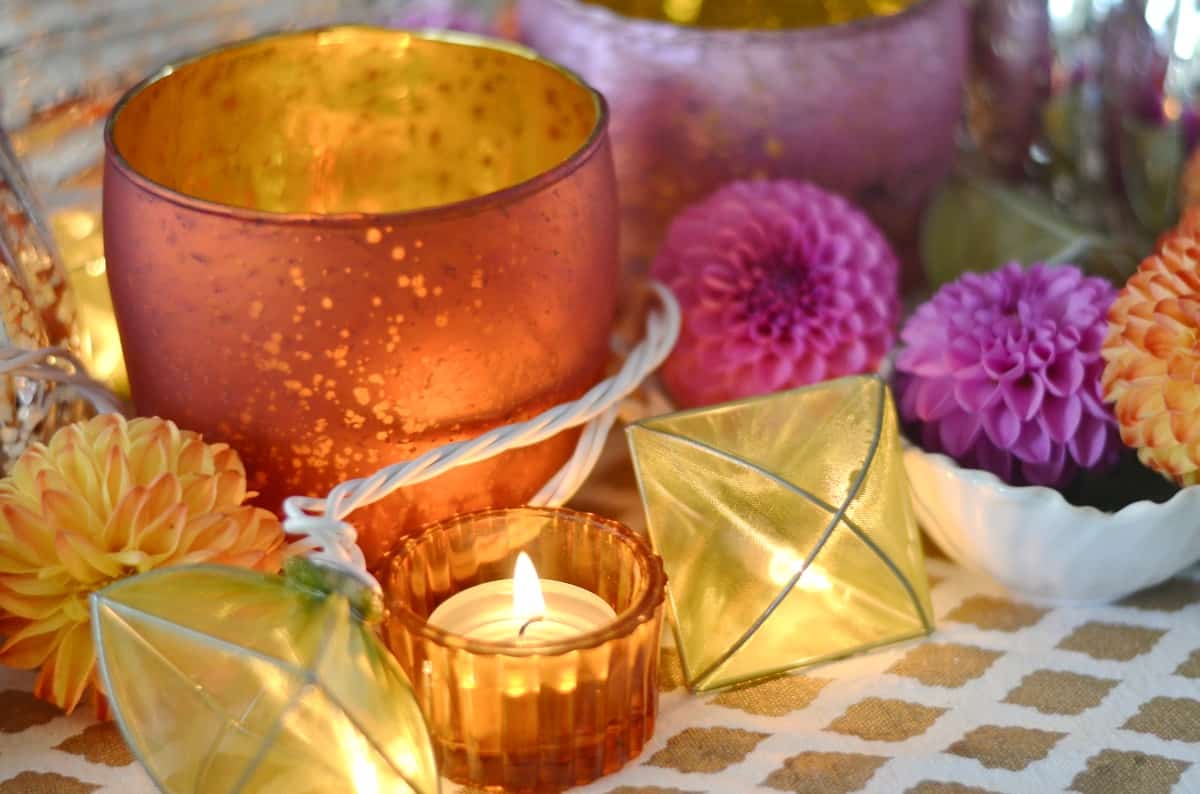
(528, 602)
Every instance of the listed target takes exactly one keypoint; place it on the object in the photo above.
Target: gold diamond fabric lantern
(785, 528)
(228, 680)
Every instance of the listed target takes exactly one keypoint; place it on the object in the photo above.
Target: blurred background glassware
(862, 97)
(1009, 78)
(63, 63)
(1082, 115)
(362, 244)
(1150, 83)
(484, 17)
(36, 311)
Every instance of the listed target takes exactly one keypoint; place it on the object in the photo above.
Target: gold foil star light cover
(785, 527)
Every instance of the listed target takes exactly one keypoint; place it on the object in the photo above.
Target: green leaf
(977, 224)
(1152, 157)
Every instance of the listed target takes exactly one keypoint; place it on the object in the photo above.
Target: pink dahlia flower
(1001, 371)
(782, 284)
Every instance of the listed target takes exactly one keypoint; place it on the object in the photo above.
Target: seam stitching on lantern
(817, 548)
(310, 682)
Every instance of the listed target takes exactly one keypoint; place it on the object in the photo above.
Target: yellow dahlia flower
(1152, 359)
(105, 499)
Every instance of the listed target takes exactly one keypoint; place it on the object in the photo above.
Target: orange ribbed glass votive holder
(530, 716)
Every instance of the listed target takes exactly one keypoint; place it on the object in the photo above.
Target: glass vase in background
(36, 312)
(1082, 115)
(485, 17)
(63, 63)
(862, 97)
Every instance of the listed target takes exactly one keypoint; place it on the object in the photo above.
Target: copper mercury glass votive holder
(541, 716)
(862, 97)
(339, 248)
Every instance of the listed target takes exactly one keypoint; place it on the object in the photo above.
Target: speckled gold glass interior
(756, 14)
(354, 120)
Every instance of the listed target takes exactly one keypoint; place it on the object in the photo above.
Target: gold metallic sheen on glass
(380, 122)
(542, 716)
(756, 14)
(226, 680)
(785, 529)
(338, 249)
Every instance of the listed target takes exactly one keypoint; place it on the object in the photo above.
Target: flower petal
(33, 644)
(1087, 445)
(1003, 365)
(1054, 472)
(84, 561)
(959, 431)
(1062, 416)
(997, 461)
(933, 400)
(1002, 426)
(65, 677)
(976, 394)
(1023, 395)
(1034, 445)
(1064, 375)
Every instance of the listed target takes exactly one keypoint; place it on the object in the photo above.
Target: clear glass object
(862, 97)
(36, 311)
(63, 63)
(539, 716)
(227, 680)
(360, 245)
(1098, 99)
(785, 527)
(755, 14)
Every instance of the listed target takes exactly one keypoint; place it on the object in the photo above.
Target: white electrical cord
(322, 520)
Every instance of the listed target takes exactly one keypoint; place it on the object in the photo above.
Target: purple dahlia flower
(1001, 371)
(782, 284)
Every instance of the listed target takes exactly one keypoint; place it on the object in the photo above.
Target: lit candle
(524, 609)
(569, 699)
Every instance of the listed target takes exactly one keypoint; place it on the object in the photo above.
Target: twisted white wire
(59, 365)
(322, 520)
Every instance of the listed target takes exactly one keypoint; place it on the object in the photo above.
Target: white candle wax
(522, 610)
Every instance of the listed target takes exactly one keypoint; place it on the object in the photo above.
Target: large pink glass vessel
(861, 96)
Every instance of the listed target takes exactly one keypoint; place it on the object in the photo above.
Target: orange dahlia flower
(1152, 356)
(105, 499)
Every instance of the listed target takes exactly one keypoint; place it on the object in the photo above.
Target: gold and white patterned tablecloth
(1006, 697)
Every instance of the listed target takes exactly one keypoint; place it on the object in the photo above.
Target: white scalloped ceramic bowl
(1038, 545)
